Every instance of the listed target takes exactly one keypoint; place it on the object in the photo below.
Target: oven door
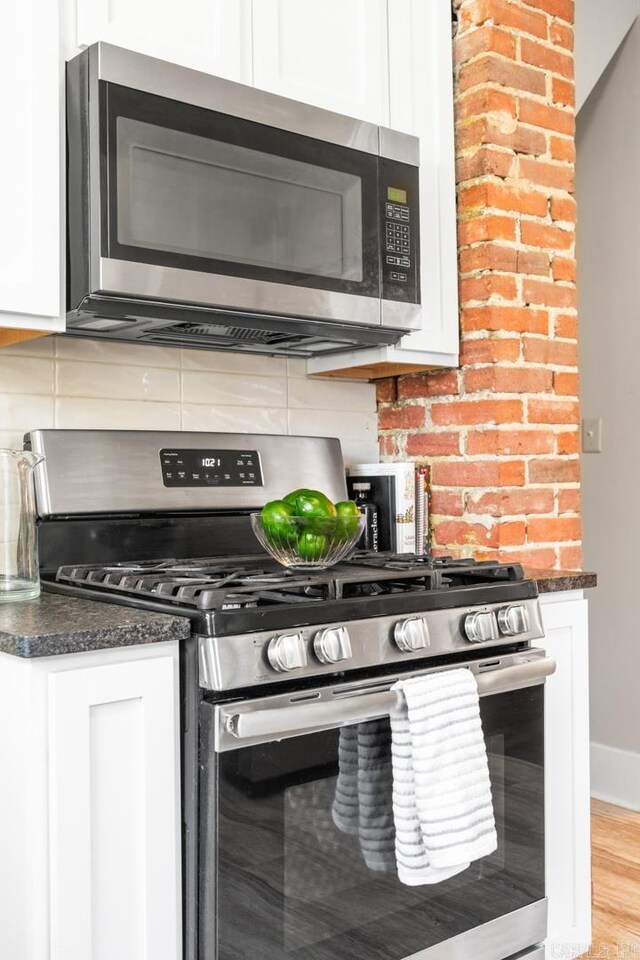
(279, 880)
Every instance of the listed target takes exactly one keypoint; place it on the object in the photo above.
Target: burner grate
(232, 583)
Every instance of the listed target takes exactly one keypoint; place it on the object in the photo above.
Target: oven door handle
(297, 718)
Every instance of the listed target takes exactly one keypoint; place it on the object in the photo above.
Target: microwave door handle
(299, 718)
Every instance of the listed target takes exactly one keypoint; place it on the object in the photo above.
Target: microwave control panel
(211, 468)
(400, 218)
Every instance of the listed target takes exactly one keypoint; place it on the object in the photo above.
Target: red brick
(563, 268)
(502, 196)
(401, 418)
(477, 534)
(489, 350)
(561, 35)
(508, 379)
(512, 503)
(481, 473)
(433, 444)
(569, 501)
(494, 130)
(446, 504)
(510, 442)
(546, 236)
(563, 9)
(549, 294)
(566, 384)
(568, 442)
(554, 471)
(435, 384)
(533, 262)
(553, 411)
(563, 208)
(539, 55)
(496, 317)
(386, 390)
(389, 446)
(486, 228)
(487, 286)
(493, 69)
(534, 559)
(553, 529)
(566, 325)
(485, 162)
(517, 199)
(486, 39)
(477, 411)
(554, 352)
(484, 100)
(556, 176)
(570, 558)
(488, 256)
(518, 18)
(563, 91)
(549, 118)
(563, 149)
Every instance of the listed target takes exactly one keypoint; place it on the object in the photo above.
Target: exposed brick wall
(502, 433)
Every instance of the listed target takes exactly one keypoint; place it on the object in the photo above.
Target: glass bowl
(310, 543)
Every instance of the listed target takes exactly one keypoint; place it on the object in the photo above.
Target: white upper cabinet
(31, 242)
(421, 102)
(332, 54)
(209, 35)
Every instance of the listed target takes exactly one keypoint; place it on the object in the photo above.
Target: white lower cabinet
(568, 848)
(90, 812)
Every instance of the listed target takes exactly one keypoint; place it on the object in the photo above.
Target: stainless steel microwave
(206, 213)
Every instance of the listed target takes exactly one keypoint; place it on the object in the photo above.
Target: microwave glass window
(186, 194)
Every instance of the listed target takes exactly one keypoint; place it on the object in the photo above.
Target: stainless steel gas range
(278, 664)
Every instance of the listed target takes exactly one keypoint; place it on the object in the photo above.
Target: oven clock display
(211, 468)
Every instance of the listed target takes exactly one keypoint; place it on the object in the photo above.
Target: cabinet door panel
(331, 54)
(30, 200)
(567, 778)
(209, 35)
(115, 812)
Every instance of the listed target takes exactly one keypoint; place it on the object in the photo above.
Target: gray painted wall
(608, 191)
(599, 29)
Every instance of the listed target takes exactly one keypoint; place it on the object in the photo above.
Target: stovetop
(253, 592)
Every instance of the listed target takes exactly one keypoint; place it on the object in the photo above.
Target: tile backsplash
(80, 383)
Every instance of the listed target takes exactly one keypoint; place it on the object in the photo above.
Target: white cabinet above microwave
(387, 62)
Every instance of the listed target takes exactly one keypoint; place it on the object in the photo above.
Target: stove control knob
(287, 652)
(412, 634)
(332, 645)
(513, 620)
(480, 627)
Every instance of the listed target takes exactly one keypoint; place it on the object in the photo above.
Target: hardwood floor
(616, 882)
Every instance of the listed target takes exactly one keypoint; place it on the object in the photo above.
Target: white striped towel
(363, 803)
(442, 803)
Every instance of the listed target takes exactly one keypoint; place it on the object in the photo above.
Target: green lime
(279, 528)
(312, 546)
(314, 507)
(348, 517)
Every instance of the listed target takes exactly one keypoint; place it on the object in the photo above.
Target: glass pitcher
(19, 574)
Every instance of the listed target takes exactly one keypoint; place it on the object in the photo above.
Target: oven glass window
(193, 189)
(291, 870)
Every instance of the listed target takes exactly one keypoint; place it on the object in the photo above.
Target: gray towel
(363, 803)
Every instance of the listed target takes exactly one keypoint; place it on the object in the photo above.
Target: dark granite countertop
(55, 624)
(555, 581)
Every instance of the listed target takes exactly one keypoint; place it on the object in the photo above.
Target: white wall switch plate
(592, 435)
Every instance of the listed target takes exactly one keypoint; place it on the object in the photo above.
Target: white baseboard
(615, 776)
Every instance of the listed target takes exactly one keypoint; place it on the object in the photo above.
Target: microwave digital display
(211, 468)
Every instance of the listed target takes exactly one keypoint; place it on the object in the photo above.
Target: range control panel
(211, 468)
(400, 217)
